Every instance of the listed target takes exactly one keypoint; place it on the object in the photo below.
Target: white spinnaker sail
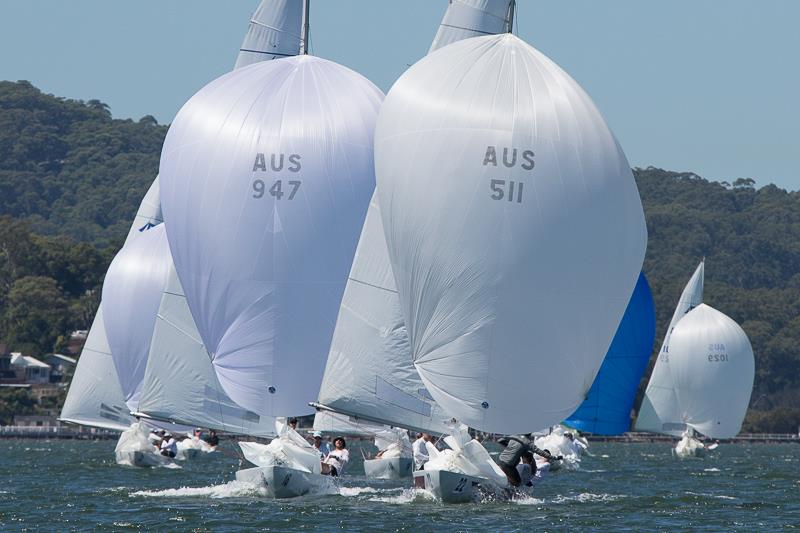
(131, 295)
(660, 412)
(514, 227)
(712, 367)
(95, 397)
(472, 18)
(266, 175)
(369, 373)
(274, 32)
(180, 383)
(149, 212)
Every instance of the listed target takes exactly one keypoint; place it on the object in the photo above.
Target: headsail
(659, 411)
(95, 397)
(712, 367)
(266, 175)
(607, 408)
(498, 264)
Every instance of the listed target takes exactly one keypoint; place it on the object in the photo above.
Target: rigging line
(265, 52)
(372, 285)
(262, 25)
(466, 29)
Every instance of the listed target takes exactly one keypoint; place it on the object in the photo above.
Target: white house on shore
(30, 369)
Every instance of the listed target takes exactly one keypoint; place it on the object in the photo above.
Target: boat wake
(406, 496)
(232, 489)
(587, 497)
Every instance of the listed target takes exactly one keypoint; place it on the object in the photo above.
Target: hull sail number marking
(509, 190)
(276, 164)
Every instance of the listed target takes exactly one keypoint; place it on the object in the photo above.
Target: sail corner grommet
(485, 405)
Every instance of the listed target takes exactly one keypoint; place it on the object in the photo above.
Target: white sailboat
(512, 221)
(284, 148)
(703, 377)
(370, 374)
(95, 397)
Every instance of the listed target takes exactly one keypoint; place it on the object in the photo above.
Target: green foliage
(71, 178)
(14, 401)
(68, 168)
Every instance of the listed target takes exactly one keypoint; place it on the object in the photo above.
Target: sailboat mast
(304, 42)
(510, 16)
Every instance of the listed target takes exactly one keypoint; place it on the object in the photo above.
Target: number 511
(500, 187)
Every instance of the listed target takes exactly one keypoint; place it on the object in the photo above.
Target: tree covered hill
(71, 178)
(68, 168)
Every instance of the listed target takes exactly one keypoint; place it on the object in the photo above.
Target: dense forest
(71, 178)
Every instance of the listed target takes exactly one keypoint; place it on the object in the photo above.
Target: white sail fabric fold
(472, 18)
(514, 228)
(132, 290)
(332, 423)
(149, 213)
(180, 383)
(660, 412)
(274, 32)
(288, 449)
(266, 175)
(369, 373)
(712, 367)
(95, 397)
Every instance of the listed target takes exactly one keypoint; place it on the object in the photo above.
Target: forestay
(180, 382)
(266, 175)
(132, 290)
(712, 367)
(659, 411)
(607, 408)
(95, 397)
(514, 228)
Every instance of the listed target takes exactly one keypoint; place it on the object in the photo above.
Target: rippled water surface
(75, 485)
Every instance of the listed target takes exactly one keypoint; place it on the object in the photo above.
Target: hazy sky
(710, 86)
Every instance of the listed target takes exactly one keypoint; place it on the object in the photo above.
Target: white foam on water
(587, 497)
(711, 470)
(593, 471)
(357, 491)
(406, 497)
(708, 495)
(527, 499)
(232, 489)
(171, 466)
(605, 456)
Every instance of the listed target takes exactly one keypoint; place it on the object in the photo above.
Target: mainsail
(660, 412)
(266, 175)
(712, 367)
(473, 18)
(514, 228)
(370, 372)
(607, 408)
(274, 32)
(132, 289)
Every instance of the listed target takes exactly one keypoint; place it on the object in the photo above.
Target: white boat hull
(281, 481)
(451, 487)
(141, 459)
(392, 468)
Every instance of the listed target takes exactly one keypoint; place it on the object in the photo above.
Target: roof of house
(26, 360)
(70, 360)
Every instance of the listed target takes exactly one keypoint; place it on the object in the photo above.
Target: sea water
(76, 485)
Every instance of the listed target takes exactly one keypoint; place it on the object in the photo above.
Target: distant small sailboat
(703, 377)
(498, 179)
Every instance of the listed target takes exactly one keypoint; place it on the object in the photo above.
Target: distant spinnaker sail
(132, 291)
(607, 408)
(266, 175)
(712, 367)
(660, 412)
(514, 228)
